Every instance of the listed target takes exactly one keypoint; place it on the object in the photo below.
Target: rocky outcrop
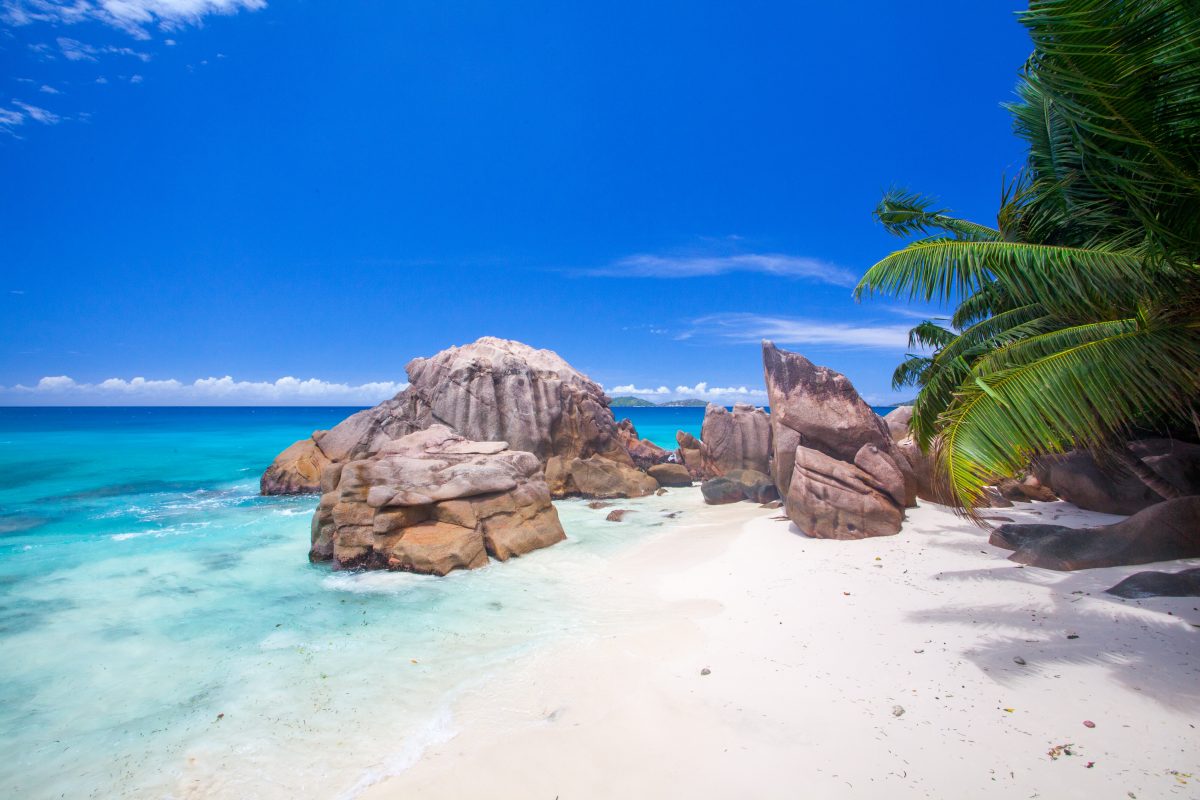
(897, 421)
(597, 477)
(739, 484)
(1164, 532)
(835, 464)
(645, 454)
(490, 390)
(690, 453)
(297, 470)
(1079, 478)
(737, 439)
(1185, 583)
(670, 475)
(432, 502)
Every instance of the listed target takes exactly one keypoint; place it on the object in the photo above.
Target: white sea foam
(437, 730)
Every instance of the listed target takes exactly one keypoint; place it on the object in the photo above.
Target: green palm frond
(905, 213)
(1076, 280)
(911, 371)
(1088, 394)
(930, 335)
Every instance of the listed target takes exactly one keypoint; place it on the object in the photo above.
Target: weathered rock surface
(490, 390)
(1185, 583)
(835, 464)
(1078, 478)
(690, 453)
(670, 474)
(432, 502)
(645, 454)
(737, 439)
(719, 491)
(833, 499)
(897, 421)
(596, 477)
(297, 470)
(817, 407)
(1163, 532)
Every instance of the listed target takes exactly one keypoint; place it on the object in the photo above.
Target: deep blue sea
(163, 634)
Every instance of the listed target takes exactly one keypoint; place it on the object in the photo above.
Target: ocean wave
(376, 582)
(439, 729)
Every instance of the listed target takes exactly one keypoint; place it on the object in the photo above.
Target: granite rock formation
(739, 484)
(690, 453)
(1079, 478)
(1185, 583)
(490, 390)
(671, 474)
(1163, 532)
(737, 439)
(897, 421)
(835, 463)
(432, 502)
(644, 453)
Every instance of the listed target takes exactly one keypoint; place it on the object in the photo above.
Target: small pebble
(706, 671)
(1072, 635)
(897, 711)
(1019, 660)
(1087, 723)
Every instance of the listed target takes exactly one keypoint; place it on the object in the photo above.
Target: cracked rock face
(489, 390)
(835, 462)
(737, 439)
(432, 502)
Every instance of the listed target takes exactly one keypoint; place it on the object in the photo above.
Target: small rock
(918, 651)
(598, 504)
(660, 492)
(1087, 723)
(1019, 660)
(706, 671)
(897, 711)
(616, 515)
(1072, 635)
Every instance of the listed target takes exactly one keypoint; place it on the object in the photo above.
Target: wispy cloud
(38, 114)
(75, 50)
(700, 391)
(63, 390)
(751, 328)
(645, 265)
(132, 16)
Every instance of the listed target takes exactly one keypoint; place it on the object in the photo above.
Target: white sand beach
(879, 668)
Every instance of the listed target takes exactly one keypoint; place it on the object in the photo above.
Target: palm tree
(1079, 313)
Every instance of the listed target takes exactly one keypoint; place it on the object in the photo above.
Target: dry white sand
(814, 647)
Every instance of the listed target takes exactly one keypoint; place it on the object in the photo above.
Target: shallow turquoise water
(163, 634)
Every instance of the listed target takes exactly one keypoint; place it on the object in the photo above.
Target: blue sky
(213, 195)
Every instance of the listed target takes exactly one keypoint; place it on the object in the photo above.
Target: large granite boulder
(737, 439)
(490, 390)
(1185, 583)
(432, 502)
(672, 474)
(897, 421)
(835, 464)
(644, 453)
(297, 470)
(1163, 532)
(833, 499)
(690, 453)
(1079, 478)
(739, 484)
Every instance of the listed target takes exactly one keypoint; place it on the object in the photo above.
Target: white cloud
(645, 265)
(46, 89)
(75, 50)
(131, 16)
(38, 114)
(10, 118)
(136, 79)
(700, 391)
(750, 328)
(63, 390)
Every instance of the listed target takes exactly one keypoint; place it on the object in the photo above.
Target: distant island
(637, 402)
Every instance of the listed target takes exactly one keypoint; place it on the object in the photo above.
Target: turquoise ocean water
(163, 635)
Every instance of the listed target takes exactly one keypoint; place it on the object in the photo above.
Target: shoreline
(812, 646)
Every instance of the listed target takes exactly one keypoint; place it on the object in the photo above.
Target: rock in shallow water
(737, 439)
(432, 502)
